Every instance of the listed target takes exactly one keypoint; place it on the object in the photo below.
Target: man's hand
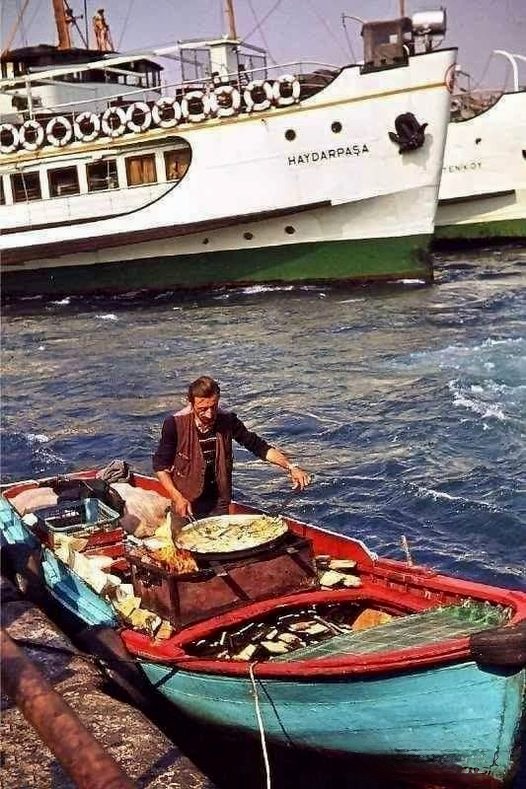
(182, 507)
(300, 478)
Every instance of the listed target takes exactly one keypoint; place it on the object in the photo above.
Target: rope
(260, 724)
(261, 33)
(262, 21)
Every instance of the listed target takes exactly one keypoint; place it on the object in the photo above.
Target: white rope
(260, 724)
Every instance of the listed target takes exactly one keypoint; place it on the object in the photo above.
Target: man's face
(205, 410)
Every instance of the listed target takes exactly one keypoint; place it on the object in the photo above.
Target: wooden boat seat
(403, 632)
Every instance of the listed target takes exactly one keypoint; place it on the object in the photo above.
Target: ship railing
(313, 76)
(468, 104)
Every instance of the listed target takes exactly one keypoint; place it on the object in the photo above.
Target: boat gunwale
(397, 661)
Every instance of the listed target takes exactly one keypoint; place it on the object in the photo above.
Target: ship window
(141, 169)
(2, 193)
(176, 163)
(102, 175)
(26, 186)
(63, 181)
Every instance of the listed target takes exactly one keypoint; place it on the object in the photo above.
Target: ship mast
(229, 9)
(64, 37)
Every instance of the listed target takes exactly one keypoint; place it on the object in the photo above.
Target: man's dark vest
(189, 465)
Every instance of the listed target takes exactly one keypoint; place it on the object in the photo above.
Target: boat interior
(304, 594)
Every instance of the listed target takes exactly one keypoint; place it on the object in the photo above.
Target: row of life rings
(195, 107)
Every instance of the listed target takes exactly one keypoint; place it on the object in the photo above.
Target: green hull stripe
(351, 261)
(510, 228)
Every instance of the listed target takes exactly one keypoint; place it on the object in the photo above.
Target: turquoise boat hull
(458, 721)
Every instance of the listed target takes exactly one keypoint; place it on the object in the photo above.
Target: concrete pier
(145, 754)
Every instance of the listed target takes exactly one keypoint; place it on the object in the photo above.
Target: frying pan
(219, 526)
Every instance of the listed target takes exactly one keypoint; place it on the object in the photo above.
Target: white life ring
(292, 90)
(166, 112)
(37, 131)
(107, 127)
(142, 108)
(258, 95)
(191, 98)
(9, 129)
(90, 120)
(51, 137)
(225, 101)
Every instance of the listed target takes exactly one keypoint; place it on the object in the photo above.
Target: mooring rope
(260, 725)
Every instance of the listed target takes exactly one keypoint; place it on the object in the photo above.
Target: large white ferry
(483, 188)
(239, 173)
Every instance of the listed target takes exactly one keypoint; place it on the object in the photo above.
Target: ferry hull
(483, 188)
(354, 262)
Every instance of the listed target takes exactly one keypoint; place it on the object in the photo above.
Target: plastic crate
(89, 518)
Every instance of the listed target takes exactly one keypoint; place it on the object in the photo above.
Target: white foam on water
(251, 289)
(110, 316)
(62, 302)
(436, 495)
(40, 438)
(472, 398)
(323, 419)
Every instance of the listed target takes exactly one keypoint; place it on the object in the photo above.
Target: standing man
(194, 458)
(101, 29)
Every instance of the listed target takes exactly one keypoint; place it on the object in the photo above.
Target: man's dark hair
(203, 387)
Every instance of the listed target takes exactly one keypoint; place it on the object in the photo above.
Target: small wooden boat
(313, 641)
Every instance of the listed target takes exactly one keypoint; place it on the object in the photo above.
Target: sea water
(406, 402)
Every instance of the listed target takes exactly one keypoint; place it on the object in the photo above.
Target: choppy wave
(407, 403)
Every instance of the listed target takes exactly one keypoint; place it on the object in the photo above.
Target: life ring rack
(196, 106)
(87, 126)
(51, 134)
(9, 130)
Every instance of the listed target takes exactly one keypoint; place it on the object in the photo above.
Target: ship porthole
(336, 127)
(290, 230)
(248, 236)
(206, 240)
(290, 135)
